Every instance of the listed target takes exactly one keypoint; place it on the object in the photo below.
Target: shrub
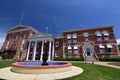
(4, 56)
(112, 59)
(68, 59)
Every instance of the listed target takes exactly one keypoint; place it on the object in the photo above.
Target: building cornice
(100, 27)
(26, 28)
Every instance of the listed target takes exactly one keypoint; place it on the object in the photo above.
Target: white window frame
(56, 43)
(102, 50)
(69, 36)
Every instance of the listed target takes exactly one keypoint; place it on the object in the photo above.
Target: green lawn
(5, 63)
(96, 72)
(91, 72)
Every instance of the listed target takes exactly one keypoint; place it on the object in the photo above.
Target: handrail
(96, 57)
(84, 56)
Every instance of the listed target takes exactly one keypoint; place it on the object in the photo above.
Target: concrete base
(6, 74)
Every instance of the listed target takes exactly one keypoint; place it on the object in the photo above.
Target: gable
(20, 28)
(17, 28)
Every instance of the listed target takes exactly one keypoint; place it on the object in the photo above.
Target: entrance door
(88, 49)
(88, 52)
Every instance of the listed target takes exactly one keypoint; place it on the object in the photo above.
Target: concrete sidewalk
(6, 74)
(106, 64)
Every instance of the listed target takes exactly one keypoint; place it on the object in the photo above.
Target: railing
(84, 56)
(96, 57)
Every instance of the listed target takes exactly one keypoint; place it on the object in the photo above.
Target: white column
(42, 51)
(28, 50)
(34, 52)
(49, 53)
(63, 51)
(53, 52)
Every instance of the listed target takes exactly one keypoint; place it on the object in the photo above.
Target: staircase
(90, 58)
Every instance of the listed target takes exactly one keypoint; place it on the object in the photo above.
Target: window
(75, 50)
(102, 50)
(56, 43)
(106, 38)
(68, 36)
(99, 38)
(99, 35)
(16, 38)
(24, 37)
(74, 40)
(69, 41)
(85, 34)
(106, 35)
(69, 50)
(109, 50)
(109, 46)
(74, 36)
(57, 54)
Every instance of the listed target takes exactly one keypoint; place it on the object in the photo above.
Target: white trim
(106, 34)
(69, 36)
(74, 36)
(69, 47)
(109, 46)
(85, 34)
(99, 34)
(101, 46)
(75, 47)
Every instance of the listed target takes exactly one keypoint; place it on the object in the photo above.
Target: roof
(100, 27)
(12, 30)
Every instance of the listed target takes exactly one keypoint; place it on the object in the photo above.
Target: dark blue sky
(59, 15)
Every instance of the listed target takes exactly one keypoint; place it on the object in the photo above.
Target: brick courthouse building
(90, 43)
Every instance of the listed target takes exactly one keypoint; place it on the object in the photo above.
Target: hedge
(117, 59)
(68, 59)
